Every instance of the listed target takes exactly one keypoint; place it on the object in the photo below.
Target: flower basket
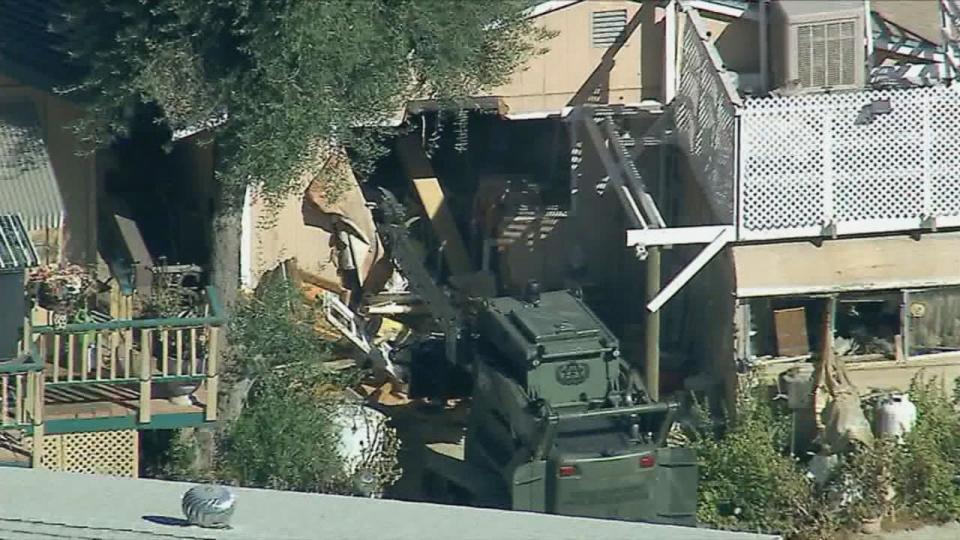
(61, 289)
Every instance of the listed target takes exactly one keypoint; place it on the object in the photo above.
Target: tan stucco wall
(737, 41)
(76, 175)
(549, 81)
(280, 234)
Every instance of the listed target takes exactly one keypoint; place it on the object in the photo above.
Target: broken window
(932, 319)
(866, 326)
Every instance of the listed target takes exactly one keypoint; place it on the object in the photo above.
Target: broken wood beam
(417, 167)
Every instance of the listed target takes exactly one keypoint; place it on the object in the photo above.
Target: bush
(930, 454)
(285, 438)
(862, 486)
(748, 482)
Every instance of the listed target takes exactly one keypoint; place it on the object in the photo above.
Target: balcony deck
(88, 407)
(817, 165)
(115, 375)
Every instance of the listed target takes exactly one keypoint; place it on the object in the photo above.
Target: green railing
(20, 379)
(136, 352)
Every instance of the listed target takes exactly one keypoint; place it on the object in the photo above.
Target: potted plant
(62, 289)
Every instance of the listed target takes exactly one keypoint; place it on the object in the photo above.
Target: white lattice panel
(811, 161)
(703, 113)
(112, 453)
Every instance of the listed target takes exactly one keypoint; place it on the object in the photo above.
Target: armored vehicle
(558, 423)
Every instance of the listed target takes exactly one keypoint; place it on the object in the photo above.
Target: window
(826, 54)
(607, 26)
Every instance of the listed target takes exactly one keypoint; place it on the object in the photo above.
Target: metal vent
(209, 506)
(826, 54)
(606, 26)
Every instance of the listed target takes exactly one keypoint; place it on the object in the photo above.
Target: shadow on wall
(596, 89)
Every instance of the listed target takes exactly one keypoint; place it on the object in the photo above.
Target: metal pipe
(620, 411)
(652, 338)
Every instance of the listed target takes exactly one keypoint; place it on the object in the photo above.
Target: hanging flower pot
(61, 289)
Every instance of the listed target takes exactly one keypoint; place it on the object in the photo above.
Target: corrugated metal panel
(606, 26)
(16, 250)
(28, 186)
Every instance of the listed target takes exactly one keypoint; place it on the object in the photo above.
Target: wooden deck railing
(136, 352)
(21, 396)
(18, 391)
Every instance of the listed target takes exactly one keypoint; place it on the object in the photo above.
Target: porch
(126, 374)
(820, 165)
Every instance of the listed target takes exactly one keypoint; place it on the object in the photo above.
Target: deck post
(145, 372)
(27, 335)
(36, 455)
(213, 377)
(652, 343)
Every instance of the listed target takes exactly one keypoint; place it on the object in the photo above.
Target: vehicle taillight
(567, 470)
(647, 461)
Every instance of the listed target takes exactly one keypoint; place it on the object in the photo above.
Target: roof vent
(209, 506)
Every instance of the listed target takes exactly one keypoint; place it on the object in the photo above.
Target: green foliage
(292, 74)
(747, 481)
(285, 438)
(863, 484)
(930, 455)
(274, 327)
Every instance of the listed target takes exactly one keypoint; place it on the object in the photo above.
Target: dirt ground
(950, 531)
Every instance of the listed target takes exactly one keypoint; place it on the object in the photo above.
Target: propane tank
(798, 386)
(367, 446)
(896, 416)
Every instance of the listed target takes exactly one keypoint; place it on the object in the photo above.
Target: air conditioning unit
(818, 45)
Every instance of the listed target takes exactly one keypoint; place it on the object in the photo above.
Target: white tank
(798, 386)
(896, 416)
(367, 445)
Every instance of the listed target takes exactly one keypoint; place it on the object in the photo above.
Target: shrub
(930, 454)
(748, 482)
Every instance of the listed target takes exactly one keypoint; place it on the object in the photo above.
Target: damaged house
(825, 151)
(715, 171)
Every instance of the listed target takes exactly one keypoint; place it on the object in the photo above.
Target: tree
(290, 76)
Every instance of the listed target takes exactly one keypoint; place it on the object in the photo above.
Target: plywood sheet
(889, 262)
(791, 329)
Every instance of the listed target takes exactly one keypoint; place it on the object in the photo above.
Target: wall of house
(550, 81)
(302, 227)
(737, 41)
(699, 321)
(888, 262)
(75, 174)
(279, 234)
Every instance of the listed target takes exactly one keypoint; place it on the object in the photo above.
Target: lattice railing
(703, 113)
(851, 162)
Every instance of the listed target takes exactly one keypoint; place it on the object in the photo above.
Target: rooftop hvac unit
(818, 45)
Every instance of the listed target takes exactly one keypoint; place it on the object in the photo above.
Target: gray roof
(38, 505)
(27, 183)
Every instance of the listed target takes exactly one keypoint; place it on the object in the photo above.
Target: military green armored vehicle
(559, 423)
